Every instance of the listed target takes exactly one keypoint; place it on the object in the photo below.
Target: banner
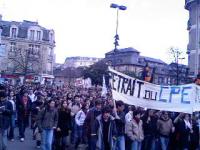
(182, 98)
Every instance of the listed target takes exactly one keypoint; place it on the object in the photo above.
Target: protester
(185, 130)
(23, 105)
(104, 130)
(165, 128)
(63, 127)
(5, 114)
(12, 100)
(36, 107)
(129, 115)
(47, 122)
(120, 125)
(89, 124)
(79, 121)
(75, 106)
(150, 130)
(134, 131)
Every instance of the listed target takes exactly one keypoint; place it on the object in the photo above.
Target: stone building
(29, 49)
(80, 61)
(129, 61)
(193, 48)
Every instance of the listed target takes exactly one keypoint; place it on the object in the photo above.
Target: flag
(104, 89)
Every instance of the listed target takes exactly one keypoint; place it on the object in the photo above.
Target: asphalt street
(29, 143)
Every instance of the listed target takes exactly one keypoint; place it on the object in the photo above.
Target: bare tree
(25, 61)
(177, 55)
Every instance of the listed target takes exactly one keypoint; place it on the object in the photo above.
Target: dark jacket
(64, 122)
(184, 135)
(195, 135)
(34, 110)
(120, 124)
(90, 120)
(5, 114)
(47, 119)
(97, 132)
(23, 111)
(149, 127)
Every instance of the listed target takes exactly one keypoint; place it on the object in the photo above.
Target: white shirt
(13, 104)
(32, 97)
(188, 124)
(80, 118)
(129, 116)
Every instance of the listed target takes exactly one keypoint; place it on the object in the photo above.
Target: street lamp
(118, 7)
(116, 37)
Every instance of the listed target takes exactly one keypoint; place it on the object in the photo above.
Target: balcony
(188, 2)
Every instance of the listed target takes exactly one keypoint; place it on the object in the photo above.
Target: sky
(87, 27)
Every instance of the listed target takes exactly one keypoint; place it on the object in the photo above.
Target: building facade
(80, 61)
(129, 61)
(29, 48)
(193, 48)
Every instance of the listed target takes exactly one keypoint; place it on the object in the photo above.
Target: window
(37, 49)
(14, 32)
(51, 37)
(12, 46)
(31, 48)
(49, 67)
(38, 35)
(32, 32)
(50, 51)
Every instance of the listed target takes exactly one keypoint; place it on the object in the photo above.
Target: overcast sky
(87, 27)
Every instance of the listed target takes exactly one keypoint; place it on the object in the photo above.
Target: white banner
(183, 98)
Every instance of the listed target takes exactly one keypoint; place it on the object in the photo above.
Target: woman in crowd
(134, 131)
(47, 122)
(185, 130)
(150, 130)
(12, 100)
(63, 127)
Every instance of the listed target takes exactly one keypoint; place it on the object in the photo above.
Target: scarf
(137, 120)
(187, 124)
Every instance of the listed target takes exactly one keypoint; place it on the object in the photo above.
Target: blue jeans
(78, 135)
(3, 139)
(12, 127)
(136, 145)
(149, 142)
(47, 139)
(91, 143)
(73, 131)
(120, 143)
(164, 141)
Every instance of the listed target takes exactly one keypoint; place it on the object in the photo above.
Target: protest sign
(182, 98)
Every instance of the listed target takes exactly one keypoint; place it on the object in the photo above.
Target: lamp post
(116, 37)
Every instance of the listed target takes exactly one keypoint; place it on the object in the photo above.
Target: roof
(124, 50)
(22, 28)
(82, 58)
(150, 59)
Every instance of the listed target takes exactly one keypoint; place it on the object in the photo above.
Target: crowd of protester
(67, 116)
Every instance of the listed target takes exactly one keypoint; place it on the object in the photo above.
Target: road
(29, 143)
